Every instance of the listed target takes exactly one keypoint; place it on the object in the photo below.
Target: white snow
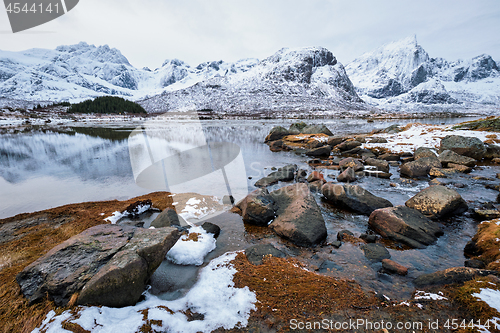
(114, 218)
(490, 297)
(213, 296)
(419, 294)
(190, 252)
(422, 135)
(196, 209)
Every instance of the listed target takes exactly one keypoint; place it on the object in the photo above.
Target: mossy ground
(490, 124)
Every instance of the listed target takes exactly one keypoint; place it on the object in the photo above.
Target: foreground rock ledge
(104, 265)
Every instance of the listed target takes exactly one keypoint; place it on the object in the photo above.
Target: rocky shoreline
(286, 287)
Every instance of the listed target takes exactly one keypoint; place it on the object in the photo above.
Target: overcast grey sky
(149, 31)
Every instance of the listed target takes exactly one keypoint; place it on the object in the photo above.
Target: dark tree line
(107, 104)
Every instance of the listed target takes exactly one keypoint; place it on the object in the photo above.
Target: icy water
(43, 169)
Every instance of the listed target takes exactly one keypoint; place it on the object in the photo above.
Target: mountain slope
(81, 71)
(402, 73)
(301, 80)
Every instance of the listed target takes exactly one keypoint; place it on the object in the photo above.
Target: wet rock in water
(256, 253)
(393, 267)
(366, 153)
(314, 176)
(354, 151)
(286, 173)
(405, 225)
(375, 251)
(442, 173)
(389, 157)
(320, 151)
(347, 176)
(420, 167)
(464, 145)
(492, 151)
(369, 238)
(335, 244)
(301, 175)
(460, 168)
(137, 208)
(343, 233)
(335, 140)
(360, 138)
(257, 207)
(452, 275)
(329, 266)
(423, 152)
(377, 174)
(378, 140)
(316, 185)
(348, 145)
(449, 156)
(437, 202)
(277, 133)
(393, 129)
(107, 265)
(381, 165)
(211, 228)
(351, 162)
(277, 145)
(474, 263)
(299, 217)
(167, 218)
(487, 214)
(353, 197)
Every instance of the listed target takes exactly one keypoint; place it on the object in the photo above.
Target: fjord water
(40, 169)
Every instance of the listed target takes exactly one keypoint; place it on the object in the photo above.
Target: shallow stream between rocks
(44, 168)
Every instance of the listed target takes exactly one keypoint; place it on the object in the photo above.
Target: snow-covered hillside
(403, 74)
(81, 71)
(305, 79)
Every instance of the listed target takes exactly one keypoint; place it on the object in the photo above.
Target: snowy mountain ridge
(81, 71)
(401, 73)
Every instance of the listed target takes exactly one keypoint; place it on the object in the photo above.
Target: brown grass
(486, 240)
(24, 244)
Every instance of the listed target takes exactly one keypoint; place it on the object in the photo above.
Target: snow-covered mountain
(305, 79)
(403, 74)
(81, 71)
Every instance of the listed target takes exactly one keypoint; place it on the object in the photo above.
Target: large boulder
(464, 145)
(438, 201)
(167, 218)
(319, 151)
(316, 129)
(348, 145)
(452, 275)
(276, 133)
(449, 156)
(107, 265)
(420, 167)
(286, 173)
(351, 162)
(405, 225)
(381, 165)
(353, 197)
(299, 217)
(257, 207)
(423, 152)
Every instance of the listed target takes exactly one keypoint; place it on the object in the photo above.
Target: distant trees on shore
(106, 104)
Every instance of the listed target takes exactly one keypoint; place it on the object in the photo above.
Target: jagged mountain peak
(102, 53)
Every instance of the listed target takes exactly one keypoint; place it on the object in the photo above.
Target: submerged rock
(438, 201)
(107, 265)
(393, 267)
(353, 197)
(405, 225)
(257, 207)
(299, 218)
(375, 251)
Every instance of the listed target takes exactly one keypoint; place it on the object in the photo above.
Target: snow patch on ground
(196, 209)
(214, 296)
(420, 135)
(115, 217)
(419, 294)
(490, 297)
(189, 252)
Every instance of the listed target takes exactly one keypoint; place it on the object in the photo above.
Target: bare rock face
(353, 197)
(299, 217)
(405, 225)
(106, 265)
(257, 207)
(438, 201)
